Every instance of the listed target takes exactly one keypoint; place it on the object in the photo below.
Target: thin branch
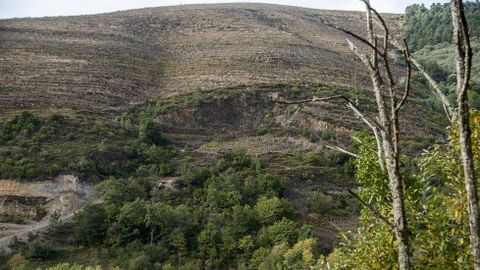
(355, 138)
(382, 21)
(338, 148)
(348, 32)
(370, 122)
(310, 100)
(372, 209)
(437, 91)
(406, 53)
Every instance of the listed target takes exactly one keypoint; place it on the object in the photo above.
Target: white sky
(41, 8)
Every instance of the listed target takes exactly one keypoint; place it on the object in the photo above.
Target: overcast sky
(40, 8)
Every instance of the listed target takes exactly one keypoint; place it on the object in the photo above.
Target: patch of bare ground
(25, 200)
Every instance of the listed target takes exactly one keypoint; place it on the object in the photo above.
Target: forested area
(433, 25)
(429, 34)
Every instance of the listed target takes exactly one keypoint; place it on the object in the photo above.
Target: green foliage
(270, 210)
(223, 191)
(151, 132)
(54, 220)
(116, 192)
(221, 219)
(435, 204)
(264, 184)
(429, 33)
(310, 158)
(283, 231)
(429, 26)
(21, 125)
(39, 249)
(192, 175)
(321, 203)
(91, 224)
(237, 159)
(67, 266)
(86, 147)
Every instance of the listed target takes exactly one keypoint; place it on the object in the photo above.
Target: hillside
(171, 109)
(100, 62)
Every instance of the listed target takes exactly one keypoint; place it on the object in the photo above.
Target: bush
(269, 210)
(195, 176)
(40, 212)
(22, 125)
(151, 132)
(264, 184)
(310, 158)
(282, 231)
(53, 170)
(321, 203)
(39, 249)
(91, 224)
(119, 191)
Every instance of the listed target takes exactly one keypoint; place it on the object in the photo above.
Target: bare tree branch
(437, 91)
(372, 209)
(348, 32)
(338, 148)
(406, 54)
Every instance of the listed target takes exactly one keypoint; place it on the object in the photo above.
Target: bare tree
(385, 126)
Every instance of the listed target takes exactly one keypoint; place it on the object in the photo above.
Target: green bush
(91, 224)
(310, 158)
(39, 249)
(270, 210)
(283, 231)
(321, 203)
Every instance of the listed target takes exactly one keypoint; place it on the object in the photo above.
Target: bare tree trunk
(390, 137)
(463, 61)
(400, 220)
(470, 182)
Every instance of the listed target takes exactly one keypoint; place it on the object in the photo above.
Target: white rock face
(65, 194)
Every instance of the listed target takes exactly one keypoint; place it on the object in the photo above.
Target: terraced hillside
(166, 93)
(100, 62)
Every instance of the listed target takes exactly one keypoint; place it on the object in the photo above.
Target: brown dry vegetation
(99, 62)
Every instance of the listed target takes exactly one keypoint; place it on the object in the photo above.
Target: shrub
(39, 249)
(151, 132)
(310, 158)
(91, 224)
(40, 212)
(282, 231)
(264, 184)
(269, 210)
(53, 170)
(321, 203)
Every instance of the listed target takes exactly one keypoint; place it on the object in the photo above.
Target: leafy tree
(115, 192)
(131, 222)
(91, 224)
(269, 210)
(224, 191)
(264, 184)
(283, 231)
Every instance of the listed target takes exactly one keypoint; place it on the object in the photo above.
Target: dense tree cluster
(429, 26)
(230, 214)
